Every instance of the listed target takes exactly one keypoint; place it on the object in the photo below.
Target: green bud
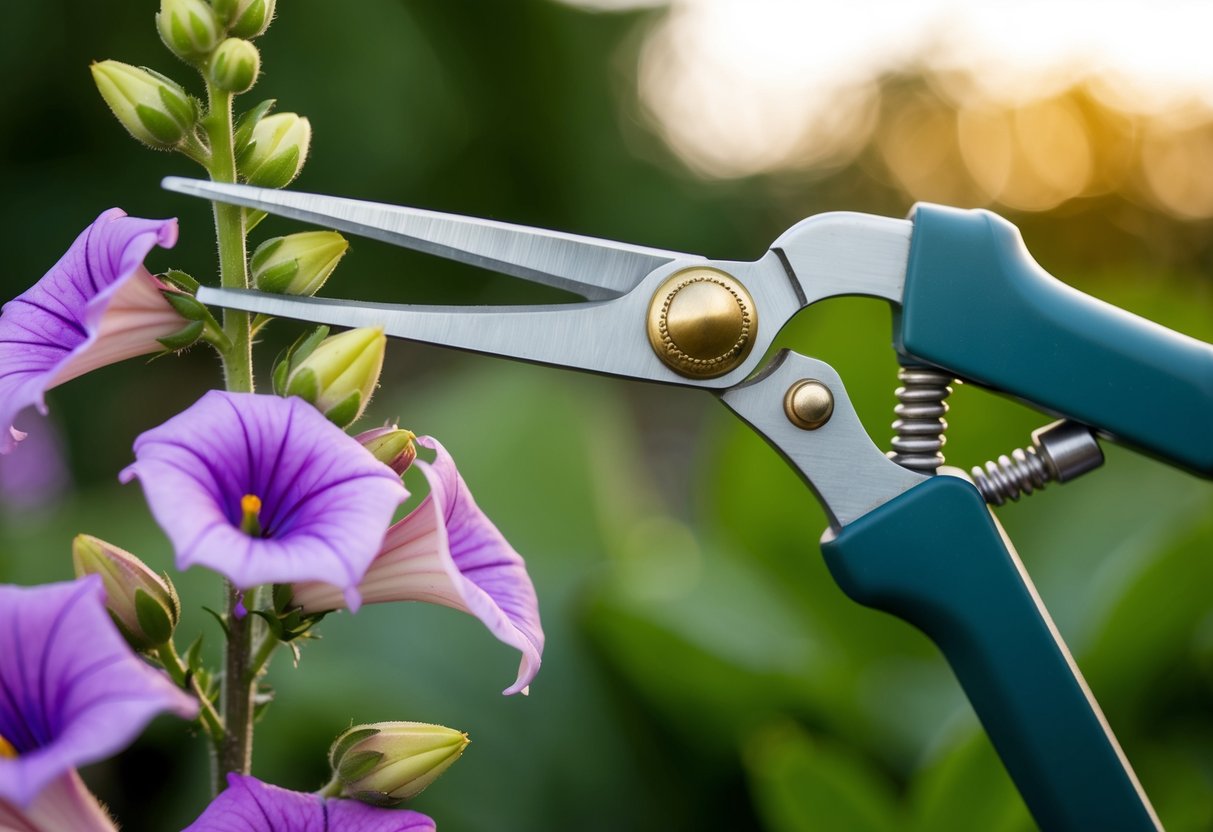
(391, 445)
(276, 150)
(340, 374)
(234, 65)
(152, 108)
(188, 28)
(297, 264)
(143, 604)
(388, 762)
(245, 18)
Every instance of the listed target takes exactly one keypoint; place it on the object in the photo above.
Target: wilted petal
(71, 691)
(65, 805)
(325, 501)
(448, 552)
(97, 305)
(248, 805)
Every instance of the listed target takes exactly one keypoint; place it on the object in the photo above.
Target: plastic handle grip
(937, 558)
(978, 305)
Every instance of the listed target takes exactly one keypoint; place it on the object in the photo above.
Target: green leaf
(809, 785)
(163, 128)
(356, 766)
(181, 280)
(222, 621)
(347, 741)
(346, 411)
(247, 121)
(183, 338)
(967, 788)
(304, 385)
(187, 306)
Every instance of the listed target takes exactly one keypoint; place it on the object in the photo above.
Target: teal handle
(936, 557)
(978, 305)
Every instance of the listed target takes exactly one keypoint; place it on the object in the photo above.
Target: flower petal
(61, 326)
(248, 805)
(71, 691)
(66, 805)
(448, 552)
(326, 501)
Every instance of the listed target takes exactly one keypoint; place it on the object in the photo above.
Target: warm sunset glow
(742, 87)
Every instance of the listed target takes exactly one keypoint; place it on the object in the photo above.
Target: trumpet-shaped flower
(264, 489)
(65, 805)
(97, 305)
(448, 552)
(248, 805)
(71, 691)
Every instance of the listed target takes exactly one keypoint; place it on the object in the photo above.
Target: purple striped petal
(97, 305)
(448, 552)
(71, 690)
(248, 805)
(325, 500)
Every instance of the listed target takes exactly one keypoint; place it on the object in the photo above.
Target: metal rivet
(702, 322)
(808, 404)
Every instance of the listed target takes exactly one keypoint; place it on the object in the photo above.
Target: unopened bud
(188, 28)
(297, 264)
(388, 762)
(339, 376)
(143, 604)
(153, 109)
(234, 65)
(245, 18)
(390, 445)
(276, 150)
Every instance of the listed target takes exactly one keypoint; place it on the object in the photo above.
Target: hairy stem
(235, 751)
(211, 721)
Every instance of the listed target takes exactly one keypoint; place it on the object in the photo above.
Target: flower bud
(234, 65)
(391, 445)
(143, 604)
(297, 264)
(188, 28)
(276, 150)
(152, 108)
(245, 18)
(339, 376)
(387, 762)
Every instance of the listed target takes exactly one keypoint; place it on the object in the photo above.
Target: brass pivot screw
(809, 404)
(702, 322)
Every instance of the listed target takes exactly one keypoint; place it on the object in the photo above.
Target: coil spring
(918, 432)
(1010, 477)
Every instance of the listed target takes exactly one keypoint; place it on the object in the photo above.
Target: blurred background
(702, 670)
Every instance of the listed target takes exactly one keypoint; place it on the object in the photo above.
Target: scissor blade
(593, 268)
(582, 336)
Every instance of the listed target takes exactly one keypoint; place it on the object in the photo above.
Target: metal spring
(918, 433)
(1010, 477)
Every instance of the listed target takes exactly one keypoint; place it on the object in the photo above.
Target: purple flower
(65, 805)
(97, 305)
(71, 691)
(248, 805)
(264, 489)
(448, 552)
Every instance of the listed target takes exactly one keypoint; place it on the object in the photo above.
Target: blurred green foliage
(702, 670)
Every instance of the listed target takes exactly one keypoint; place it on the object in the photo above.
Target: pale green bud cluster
(143, 604)
(153, 108)
(188, 28)
(245, 18)
(297, 264)
(337, 375)
(276, 150)
(234, 65)
(387, 762)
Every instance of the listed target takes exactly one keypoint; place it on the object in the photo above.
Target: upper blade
(593, 268)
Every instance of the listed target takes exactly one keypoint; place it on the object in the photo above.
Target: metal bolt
(808, 404)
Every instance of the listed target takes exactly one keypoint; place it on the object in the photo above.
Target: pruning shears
(969, 303)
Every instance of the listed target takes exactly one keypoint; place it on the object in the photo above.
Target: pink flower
(448, 552)
(96, 306)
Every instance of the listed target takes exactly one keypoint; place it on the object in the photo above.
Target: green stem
(235, 752)
(167, 653)
(261, 658)
(230, 234)
(333, 789)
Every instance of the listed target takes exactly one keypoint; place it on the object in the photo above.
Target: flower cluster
(265, 489)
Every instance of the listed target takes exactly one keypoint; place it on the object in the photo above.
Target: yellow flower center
(250, 509)
(6, 748)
